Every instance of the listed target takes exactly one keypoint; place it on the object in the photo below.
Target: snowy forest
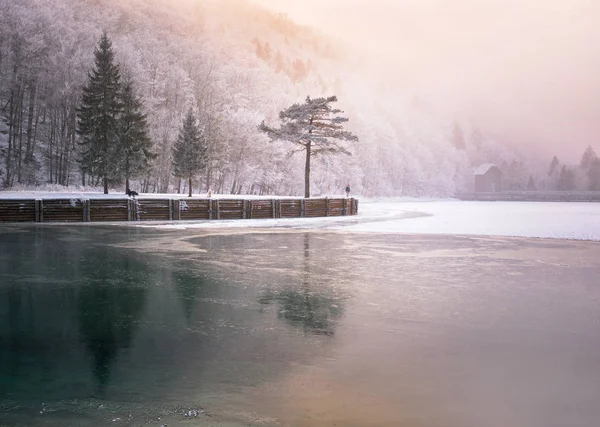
(232, 65)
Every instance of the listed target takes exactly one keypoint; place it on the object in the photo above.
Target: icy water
(125, 327)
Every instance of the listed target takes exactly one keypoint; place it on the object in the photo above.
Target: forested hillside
(235, 65)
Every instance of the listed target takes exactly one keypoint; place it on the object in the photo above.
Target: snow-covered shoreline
(557, 220)
(575, 221)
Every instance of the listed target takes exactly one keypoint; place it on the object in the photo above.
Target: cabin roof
(484, 168)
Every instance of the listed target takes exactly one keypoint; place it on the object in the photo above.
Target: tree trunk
(105, 184)
(307, 171)
(20, 150)
(190, 186)
(208, 177)
(127, 173)
(28, 148)
(8, 159)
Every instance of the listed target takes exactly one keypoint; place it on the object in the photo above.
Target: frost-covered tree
(313, 127)
(134, 142)
(588, 156)
(98, 115)
(515, 175)
(458, 137)
(593, 175)
(566, 180)
(189, 152)
(553, 165)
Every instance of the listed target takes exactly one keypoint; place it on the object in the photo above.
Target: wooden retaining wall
(533, 196)
(146, 209)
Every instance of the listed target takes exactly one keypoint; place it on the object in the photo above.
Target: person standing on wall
(348, 190)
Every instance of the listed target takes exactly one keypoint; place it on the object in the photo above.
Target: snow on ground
(53, 195)
(579, 221)
(524, 219)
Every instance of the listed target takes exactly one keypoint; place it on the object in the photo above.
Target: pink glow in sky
(527, 71)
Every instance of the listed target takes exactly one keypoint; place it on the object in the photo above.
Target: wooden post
(39, 210)
(344, 206)
(249, 209)
(171, 205)
(278, 208)
(244, 209)
(133, 213)
(86, 210)
(210, 209)
(273, 208)
(218, 209)
(327, 206)
(177, 210)
(302, 208)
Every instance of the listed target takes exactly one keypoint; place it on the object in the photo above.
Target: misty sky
(527, 71)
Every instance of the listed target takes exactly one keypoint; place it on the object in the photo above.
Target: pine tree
(98, 114)
(190, 150)
(553, 165)
(458, 138)
(531, 184)
(587, 158)
(313, 127)
(566, 180)
(593, 175)
(134, 143)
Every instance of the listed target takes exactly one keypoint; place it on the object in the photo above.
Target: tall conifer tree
(97, 118)
(190, 150)
(134, 142)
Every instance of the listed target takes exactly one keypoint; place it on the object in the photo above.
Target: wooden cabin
(488, 178)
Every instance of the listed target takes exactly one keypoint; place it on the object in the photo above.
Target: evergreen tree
(135, 144)
(531, 184)
(190, 150)
(98, 114)
(566, 180)
(553, 165)
(314, 126)
(588, 156)
(458, 138)
(593, 175)
(515, 176)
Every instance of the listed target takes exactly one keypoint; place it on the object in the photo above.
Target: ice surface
(579, 221)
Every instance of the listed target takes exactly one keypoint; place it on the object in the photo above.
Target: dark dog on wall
(131, 193)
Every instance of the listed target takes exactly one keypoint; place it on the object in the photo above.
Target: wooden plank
(153, 209)
(315, 208)
(18, 211)
(290, 208)
(194, 209)
(62, 210)
(109, 210)
(231, 209)
(262, 209)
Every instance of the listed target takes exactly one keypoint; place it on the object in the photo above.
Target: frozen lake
(133, 326)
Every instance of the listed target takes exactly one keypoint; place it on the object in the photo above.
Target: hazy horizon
(526, 71)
